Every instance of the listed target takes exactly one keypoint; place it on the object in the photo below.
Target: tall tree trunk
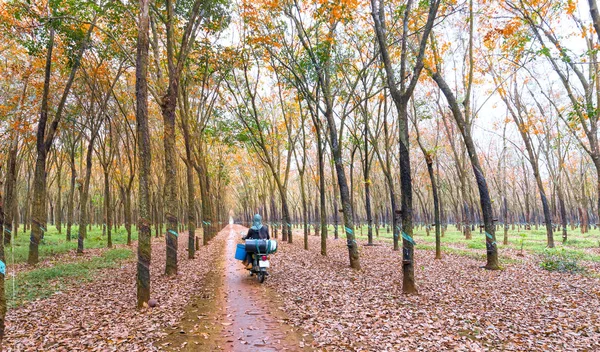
(176, 57)
(107, 209)
(126, 194)
(44, 140)
(563, 214)
(170, 200)
(10, 203)
(191, 213)
(38, 211)
(86, 208)
(168, 107)
(304, 206)
(367, 182)
(436, 209)
(322, 195)
(336, 152)
(286, 226)
(58, 216)
(2, 273)
(71, 197)
(205, 190)
(145, 158)
(484, 194)
(408, 244)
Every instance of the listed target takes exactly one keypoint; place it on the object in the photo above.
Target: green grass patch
(534, 241)
(43, 282)
(561, 260)
(56, 243)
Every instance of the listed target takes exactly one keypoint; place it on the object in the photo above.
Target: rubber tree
(324, 69)
(519, 112)
(45, 138)
(95, 109)
(429, 155)
(2, 267)
(144, 251)
(245, 106)
(401, 92)
(484, 194)
(578, 84)
(177, 52)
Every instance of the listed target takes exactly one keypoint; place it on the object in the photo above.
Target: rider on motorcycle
(258, 231)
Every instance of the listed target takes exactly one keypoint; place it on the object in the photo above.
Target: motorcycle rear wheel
(261, 277)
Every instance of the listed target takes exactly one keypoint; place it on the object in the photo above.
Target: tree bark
(10, 203)
(2, 272)
(484, 194)
(107, 209)
(71, 196)
(141, 95)
(44, 140)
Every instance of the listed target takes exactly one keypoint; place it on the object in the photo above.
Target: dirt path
(235, 312)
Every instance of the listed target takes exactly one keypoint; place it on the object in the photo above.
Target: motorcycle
(259, 251)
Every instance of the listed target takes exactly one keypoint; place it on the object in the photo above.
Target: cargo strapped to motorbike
(261, 246)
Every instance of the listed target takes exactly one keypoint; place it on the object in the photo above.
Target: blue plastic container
(240, 252)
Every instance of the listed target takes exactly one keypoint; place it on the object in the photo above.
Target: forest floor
(459, 306)
(309, 302)
(211, 305)
(98, 314)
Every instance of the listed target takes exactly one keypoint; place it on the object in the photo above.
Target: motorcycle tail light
(264, 257)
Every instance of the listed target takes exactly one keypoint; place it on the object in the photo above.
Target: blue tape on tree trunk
(408, 238)
(2, 268)
(349, 230)
(490, 237)
(173, 233)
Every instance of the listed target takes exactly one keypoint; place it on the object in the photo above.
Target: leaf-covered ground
(459, 306)
(101, 315)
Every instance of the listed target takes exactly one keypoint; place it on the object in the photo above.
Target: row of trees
(405, 113)
(445, 77)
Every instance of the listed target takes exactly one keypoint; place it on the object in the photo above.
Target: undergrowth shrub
(560, 260)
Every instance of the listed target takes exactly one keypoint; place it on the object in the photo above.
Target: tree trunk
(170, 200)
(408, 244)
(44, 139)
(344, 190)
(126, 194)
(484, 195)
(141, 95)
(58, 216)
(38, 211)
(207, 207)
(107, 209)
(84, 193)
(304, 207)
(322, 209)
(70, 199)
(10, 193)
(563, 214)
(2, 273)
(191, 213)
(367, 182)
